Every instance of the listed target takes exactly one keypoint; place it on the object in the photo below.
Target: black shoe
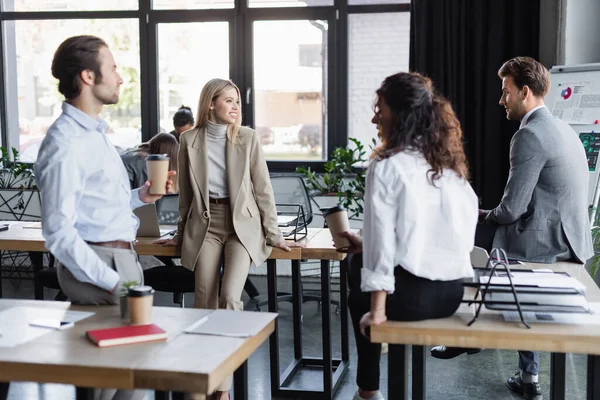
(446, 353)
(530, 391)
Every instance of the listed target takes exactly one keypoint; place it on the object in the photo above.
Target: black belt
(224, 200)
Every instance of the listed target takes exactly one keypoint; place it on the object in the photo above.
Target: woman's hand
(356, 243)
(371, 319)
(166, 242)
(287, 246)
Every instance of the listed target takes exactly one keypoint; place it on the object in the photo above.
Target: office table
(318, 246)
(185, 362)
(490, 331)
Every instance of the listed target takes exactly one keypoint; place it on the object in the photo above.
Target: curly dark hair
(424, 122)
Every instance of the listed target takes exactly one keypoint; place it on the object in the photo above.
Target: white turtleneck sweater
(216, 139)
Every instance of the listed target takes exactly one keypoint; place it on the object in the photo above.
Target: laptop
(149, 226)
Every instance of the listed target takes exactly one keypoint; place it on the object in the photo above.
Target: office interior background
(307, 70)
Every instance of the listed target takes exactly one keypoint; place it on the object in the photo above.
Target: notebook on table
(126, 335)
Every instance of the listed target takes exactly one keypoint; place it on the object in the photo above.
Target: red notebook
(126, 335)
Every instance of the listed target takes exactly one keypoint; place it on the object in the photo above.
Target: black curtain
(461, 44)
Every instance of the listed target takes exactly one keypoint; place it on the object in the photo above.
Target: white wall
(582, 32)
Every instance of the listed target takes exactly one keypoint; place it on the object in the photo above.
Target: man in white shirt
(87, 204)
(543, 215)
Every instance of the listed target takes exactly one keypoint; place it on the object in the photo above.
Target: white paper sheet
(15, 328)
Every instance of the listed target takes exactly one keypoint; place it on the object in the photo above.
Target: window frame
(240, 19)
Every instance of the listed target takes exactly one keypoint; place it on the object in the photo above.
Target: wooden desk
(185, 362)
(318, 246)
(492, 332)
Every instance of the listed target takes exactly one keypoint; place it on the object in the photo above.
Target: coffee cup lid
(140, 291)
(333, 210)
(157, 157)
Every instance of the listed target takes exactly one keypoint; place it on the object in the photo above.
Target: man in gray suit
(543, 215)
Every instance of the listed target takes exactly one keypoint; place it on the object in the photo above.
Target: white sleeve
(379, 230)
(135, 201)
(60, 178)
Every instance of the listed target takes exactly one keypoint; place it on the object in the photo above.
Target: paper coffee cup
(337, 221)
(140, 300)
(158, 172)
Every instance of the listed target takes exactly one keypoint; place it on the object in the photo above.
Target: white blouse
(428, 230)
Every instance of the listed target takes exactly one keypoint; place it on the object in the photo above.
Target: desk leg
(161, 395)
(4, 386)
(557, 376)
(326, 315)
(344, 310)
(593, 378)
(297, 309)
(82, 393)
(418, 373)
(274, 338)
(397, 372)
(240, 382)
(37, 260)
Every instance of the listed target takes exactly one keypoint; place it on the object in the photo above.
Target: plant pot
(123, 303)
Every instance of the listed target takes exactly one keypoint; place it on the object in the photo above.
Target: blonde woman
(226, 205)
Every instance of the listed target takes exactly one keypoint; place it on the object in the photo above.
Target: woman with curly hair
(419, 221)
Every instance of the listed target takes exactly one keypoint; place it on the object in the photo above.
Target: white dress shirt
(85, 195)
(428, 230)
(526, 117)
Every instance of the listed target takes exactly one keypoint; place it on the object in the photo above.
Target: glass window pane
(290, 111)
(181, 76)
(69, 5)
(378, 47)
(37, 98)
(191, 4)
(289, 3)
(375, 2)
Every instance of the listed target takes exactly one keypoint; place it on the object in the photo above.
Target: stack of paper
(547, 292)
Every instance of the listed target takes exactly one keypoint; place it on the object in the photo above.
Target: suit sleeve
(265, 199)
(185, 187)
(527, 159)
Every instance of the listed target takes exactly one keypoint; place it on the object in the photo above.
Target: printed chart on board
(577, 102)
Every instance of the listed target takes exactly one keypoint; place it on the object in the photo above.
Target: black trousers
(414, 299)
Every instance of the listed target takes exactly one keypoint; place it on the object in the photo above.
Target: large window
(184, 68)
(307, 69)
(37, 98)
(289, 86)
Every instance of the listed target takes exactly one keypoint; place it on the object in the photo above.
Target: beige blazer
(250, 194)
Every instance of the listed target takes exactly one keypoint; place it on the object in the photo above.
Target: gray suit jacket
(543, 215)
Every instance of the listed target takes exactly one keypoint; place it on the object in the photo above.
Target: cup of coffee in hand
(158, 172)
(337, 221)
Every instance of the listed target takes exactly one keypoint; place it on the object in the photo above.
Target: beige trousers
(221, 244)
(123, 261)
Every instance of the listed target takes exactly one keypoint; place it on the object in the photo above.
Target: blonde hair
(210, 93)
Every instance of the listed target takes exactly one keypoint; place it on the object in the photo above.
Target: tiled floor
(480, 376)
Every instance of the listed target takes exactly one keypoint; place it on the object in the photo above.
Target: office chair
(291, 190)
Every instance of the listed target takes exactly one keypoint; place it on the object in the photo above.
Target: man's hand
(356, 243)
(144, 192)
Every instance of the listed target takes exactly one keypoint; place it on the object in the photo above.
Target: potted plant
(19, 196)
(594, 263)
(123, 297)
(344, 177)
